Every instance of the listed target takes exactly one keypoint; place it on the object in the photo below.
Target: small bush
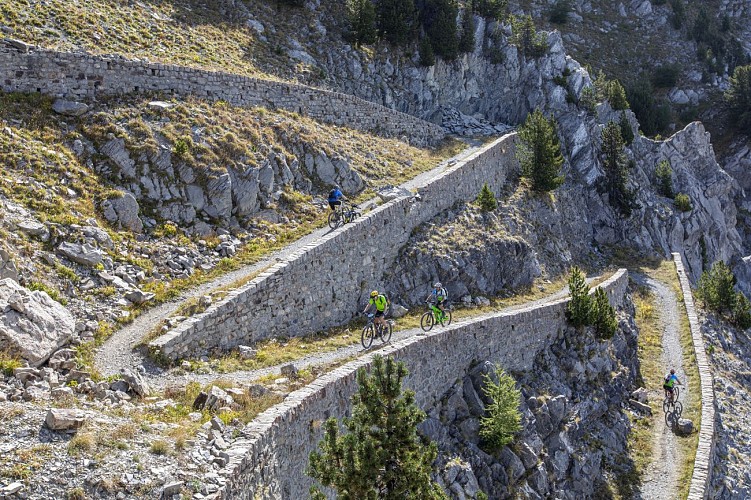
(76, 494)
(53, 293)
(81, 443)
(666, 76)
(664, 175)
(577, 311)
(717, 288)
(626, 131)
(559, 11)
(503, 419)
(603, 315)
(8, 363)
(159, 447)
(616, 95)
(486, 199)
(682, 202)
(182, 148)
(427, 57)
(588, 99)
(741, 315)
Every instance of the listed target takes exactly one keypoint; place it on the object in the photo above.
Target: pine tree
(486, 199)
(397, 20)
(494, 9)
(361, 15)
(525, 36)
(578, 309)
(617, 96)
(427, 56)
(717, 288)
(467, 39)
(503, 418)
(626, 131)
(539, 152)
(381, 456)
(615, 165)
(603, 315)
(738, 96)
(438, 17)
(664, 175)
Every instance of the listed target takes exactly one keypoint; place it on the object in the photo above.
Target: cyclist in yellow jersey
(381, 304)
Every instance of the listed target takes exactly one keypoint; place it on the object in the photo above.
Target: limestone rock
(69, 108)
(7, 266)
(289, 371)
(83, 254)
(212, 400)
(685, 426)
(139, 297)
(35, 326)
(640, 407)
(123, 212)
(136, 382)
(641, 395)
(59, 419)
(34, 228)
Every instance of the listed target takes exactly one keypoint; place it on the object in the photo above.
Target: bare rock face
(32, 325)
(69, 108)
(85, 254)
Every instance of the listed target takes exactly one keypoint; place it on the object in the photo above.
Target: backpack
(332, 194)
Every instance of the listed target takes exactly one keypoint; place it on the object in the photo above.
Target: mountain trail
(660, 480)
(120, 351)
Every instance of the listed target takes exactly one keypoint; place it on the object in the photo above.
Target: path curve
(660, 480)
(119, 350)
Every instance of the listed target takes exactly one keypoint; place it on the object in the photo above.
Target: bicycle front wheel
(367, 336)
(386, 331)
(334, 220)
(426, 321)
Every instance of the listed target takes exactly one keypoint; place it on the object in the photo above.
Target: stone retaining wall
(700, 480)
(326, 283)
(83, 76)
(271, 462)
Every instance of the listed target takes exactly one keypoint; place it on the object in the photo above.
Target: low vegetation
(503, 418)
(717, 293)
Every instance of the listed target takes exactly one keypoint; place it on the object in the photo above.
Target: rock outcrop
(32, 325)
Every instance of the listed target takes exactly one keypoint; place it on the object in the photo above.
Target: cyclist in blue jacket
(438, 296)
(335, 197)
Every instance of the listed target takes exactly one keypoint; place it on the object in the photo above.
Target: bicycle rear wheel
(334, 220)
(367, 336)
(446, 318)
(386, 331)
(426, 321)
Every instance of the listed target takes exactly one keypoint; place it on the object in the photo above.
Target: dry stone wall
(701, 477)
(25, 68)
(271, 462)
(325, 283)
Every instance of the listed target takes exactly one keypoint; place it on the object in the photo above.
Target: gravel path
(119, 350)
(660, 481)
(169, 378)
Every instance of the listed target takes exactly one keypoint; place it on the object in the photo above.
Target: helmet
(374, 293)
(672, 372)
(437, 284)
(336, 186)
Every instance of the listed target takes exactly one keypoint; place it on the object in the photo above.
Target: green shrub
(616, 167)
(682, 202)
(738, 96)
(8, 363)
(397, 20)
(578, 308)
(603, 315)
(52, 292)
(486, 199)
(438, 18)
(588, 99)
(616, 96)
(741, 314)
(503, 418)
(494, 9)
(467, 38)
(666, 76)
(159, 447)
(664, 175)
(182, 147)
(526, 38)
(716, 288)
(362, 17)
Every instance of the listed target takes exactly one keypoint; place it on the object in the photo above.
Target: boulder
(640, 407)
(85, 254)
(32, 325)
(34, 228)
(247, 352)
(513, 465)
(684, 426)
(137, 384)
(123, 212)
(65, 420)
(641, 395)
(64, 359)
(289, 371)
(69, 108)
(398, 311)
(389, 193)
(173, 488)
(212, 400)
(139, 297)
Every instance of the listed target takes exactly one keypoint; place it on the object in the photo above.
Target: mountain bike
(434, 316)
(671, 404)
(341, 215)
(370, 330)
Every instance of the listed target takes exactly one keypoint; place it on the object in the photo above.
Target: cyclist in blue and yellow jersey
(438, 296)
(669, 383)
(381, 304)
(335, 197)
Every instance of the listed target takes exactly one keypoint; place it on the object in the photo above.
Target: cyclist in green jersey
(381, 304)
